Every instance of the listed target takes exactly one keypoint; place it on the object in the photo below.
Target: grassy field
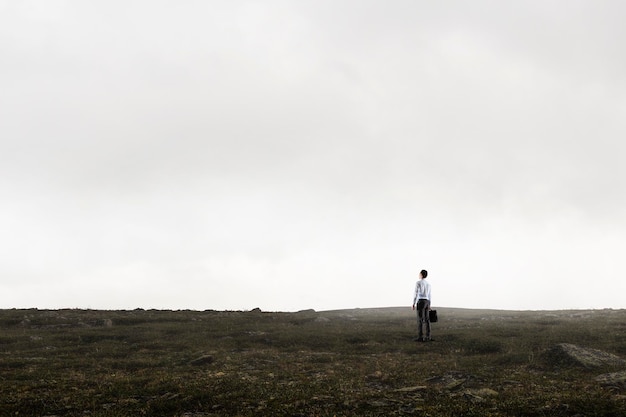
(338, 363)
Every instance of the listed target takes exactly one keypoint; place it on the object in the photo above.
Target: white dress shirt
(422, 291)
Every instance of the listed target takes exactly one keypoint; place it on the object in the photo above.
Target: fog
(316, 154)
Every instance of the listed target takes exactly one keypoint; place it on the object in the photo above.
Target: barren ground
(336, 363)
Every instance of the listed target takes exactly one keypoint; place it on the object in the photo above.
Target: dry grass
(358, 362)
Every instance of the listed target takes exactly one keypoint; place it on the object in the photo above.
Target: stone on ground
(567, 354)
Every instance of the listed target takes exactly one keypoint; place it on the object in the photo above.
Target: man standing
(421, 299)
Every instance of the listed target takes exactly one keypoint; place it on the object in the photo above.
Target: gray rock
(415, 388)
(202, 360)
(482, 392)
(566, 354)
(614, 379)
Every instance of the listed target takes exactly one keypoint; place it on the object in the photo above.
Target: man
(421, 299)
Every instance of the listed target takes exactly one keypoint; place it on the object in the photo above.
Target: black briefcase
(432, 316)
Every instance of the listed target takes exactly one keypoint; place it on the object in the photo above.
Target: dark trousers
(422, 318)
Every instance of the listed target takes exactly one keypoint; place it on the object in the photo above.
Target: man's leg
(419, 322)
(421, 315)
(427, 319)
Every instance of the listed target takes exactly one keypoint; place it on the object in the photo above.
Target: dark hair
(424, 273)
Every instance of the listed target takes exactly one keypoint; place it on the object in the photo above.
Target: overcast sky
(312, 154)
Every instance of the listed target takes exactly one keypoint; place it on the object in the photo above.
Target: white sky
(312, 154)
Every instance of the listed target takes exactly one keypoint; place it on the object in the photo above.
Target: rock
(566, 354)
(472, 397)
(107, 323)
(476, 395)
(482, 392)
(322, 320)
(511, 382)
(412, 389)
(456, 384)
(378, 403)
(202, 360)
(614, 379)
(451, 381)
(256, 333)
(376, 375)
